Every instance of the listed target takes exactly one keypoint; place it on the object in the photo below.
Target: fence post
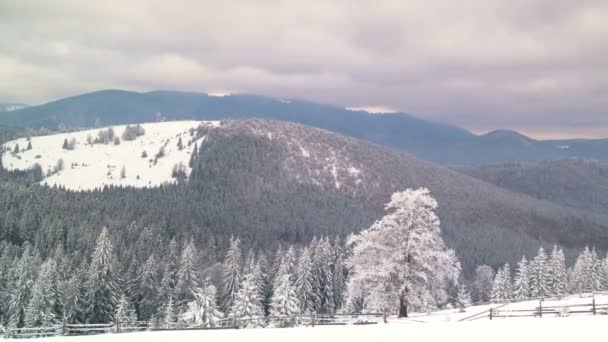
(63, 327)
(593, 309)
(491, 313)
(384, 316)
(540, 308)
(117, 323)
(314, 317)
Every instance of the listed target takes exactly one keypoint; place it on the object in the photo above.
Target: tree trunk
(402, 306)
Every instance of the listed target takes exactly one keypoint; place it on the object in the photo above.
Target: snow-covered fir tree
(303, 282)
(21, 286)
(521, 282)
(284, 302)
(322, 281)
(339, 275)
(463, 298)
(401, 262)
(559, 276)
(247, 305)
(75, 296)
(203, 310)
(502, 290)
(102, 282)
(43, 309)
(147, 296)
(232, 274)
(124, 310)
(540, 275)
(482, 283)
(587, 272)
(187, 277)
(169, 313)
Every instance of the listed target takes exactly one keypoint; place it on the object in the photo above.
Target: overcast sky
(539, 66)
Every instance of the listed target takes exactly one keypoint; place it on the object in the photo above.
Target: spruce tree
(521, 283)
(559, 277)
(187, 276)
(303, 282)
(102, 282)
(247, 304)
(539, 275)
(43, 306)
(148, 289)
(21, 287)
(463, 298)
(124, 310)
(284, 302)
(232, 274)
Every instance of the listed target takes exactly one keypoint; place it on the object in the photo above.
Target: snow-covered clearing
(587, 328)
(89, 166)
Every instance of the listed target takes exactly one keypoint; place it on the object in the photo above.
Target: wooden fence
(227, 323)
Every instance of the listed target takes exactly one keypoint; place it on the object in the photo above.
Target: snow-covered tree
(284, 302)
(148, 289)
(21, 287)
(539, 275)
(463, 298)
(232, 273)
(521, 283)
(559, 277)
(483, 282)
(502, 290)
(124, 310)
(75, 296)
(339, 277)
(401, 262)
(304, 282)
(169, 313)
(203, 310)
(247, 304)
(587, 272)
(101, 285)
(187, 276)
(322, 280)
(45, 308)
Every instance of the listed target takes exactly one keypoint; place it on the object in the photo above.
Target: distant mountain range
(425, 139)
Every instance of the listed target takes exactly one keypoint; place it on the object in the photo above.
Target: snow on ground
(93, 166)
(588, 329)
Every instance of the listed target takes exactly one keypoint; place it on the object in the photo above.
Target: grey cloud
(478, 63)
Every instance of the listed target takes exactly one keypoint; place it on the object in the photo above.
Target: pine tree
(521, 288)
(559, 277)
(322, 280)
(124, 310)
(43, 306)
(539, 275)
(284, 302)
(463, 297)
(232, 273)
(193, 156)
(180, 144)
(339, 281)
(303, 282)
(102, 282)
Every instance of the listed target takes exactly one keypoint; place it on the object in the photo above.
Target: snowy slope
(89, 166)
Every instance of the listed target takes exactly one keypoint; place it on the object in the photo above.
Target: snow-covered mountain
(95, 158)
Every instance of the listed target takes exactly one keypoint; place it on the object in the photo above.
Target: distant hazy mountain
(425, 139)
(270, 181)
(571, 182)
(8, 107)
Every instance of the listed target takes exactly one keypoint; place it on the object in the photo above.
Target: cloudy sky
(539, 66)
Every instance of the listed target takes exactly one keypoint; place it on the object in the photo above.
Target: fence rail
(66, 329)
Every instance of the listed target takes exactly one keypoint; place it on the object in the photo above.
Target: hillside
(270, 181)
(572, 182)
(425, 139)
(118, 161)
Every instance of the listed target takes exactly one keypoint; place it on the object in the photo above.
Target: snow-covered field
(587, 328)
(437, 326)
(89, 166)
